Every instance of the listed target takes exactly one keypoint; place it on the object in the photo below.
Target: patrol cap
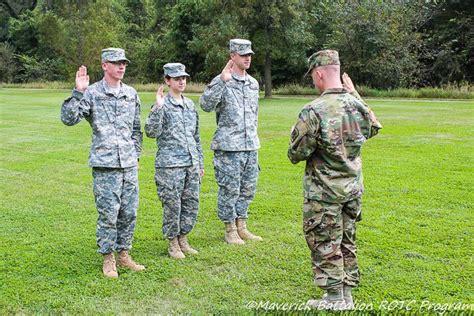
(240, 46)
(175, 70)
(113, 54)
(323, 58)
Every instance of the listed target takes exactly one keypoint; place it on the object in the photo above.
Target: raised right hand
(347, 83)
(226, 73)
(160, 99)
(82, 79)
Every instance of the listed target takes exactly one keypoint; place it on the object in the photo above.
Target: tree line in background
(382, 44)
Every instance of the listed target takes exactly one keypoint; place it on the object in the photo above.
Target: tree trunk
(268, 75)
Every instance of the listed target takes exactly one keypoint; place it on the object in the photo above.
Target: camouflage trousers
(330, 232)
(116, 199)
(236, 175)
(178, 190)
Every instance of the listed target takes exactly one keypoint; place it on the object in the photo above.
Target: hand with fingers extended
(347, 83)
(82, 79)
(160, 99)
(226, 73)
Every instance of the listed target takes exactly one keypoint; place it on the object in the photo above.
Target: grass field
(415, 239)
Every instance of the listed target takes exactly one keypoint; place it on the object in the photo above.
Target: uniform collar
(334, 91)
(108, 91)
(243, 78)
(171, 100)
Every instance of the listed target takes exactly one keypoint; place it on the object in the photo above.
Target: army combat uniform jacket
(115, 122)
(176, 129)
(329, 135)
(236, 104)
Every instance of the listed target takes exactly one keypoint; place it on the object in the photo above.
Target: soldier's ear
(319, 74)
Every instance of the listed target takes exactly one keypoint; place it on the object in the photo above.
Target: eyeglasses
(119, 62)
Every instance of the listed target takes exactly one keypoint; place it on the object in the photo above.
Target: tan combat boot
(184, 245)
(108, 268)
(231, 236)
(125, 261)
(332, 300)
(174, 250)
(244, 233)
(347, 290)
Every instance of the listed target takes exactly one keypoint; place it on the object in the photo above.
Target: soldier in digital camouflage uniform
(112, 109)
(174, 122)
(328, 135)
(234, 96)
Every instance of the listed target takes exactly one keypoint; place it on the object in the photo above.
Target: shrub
(8, 65)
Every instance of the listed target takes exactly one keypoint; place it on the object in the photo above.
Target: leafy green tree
(51, 36)
(34, 69)
(384, 44)
(279, 32)
(8, 65)
(448, 38)
(15, 8)
(91, 27)
(139, 40)
(377, 42)
(23, 33)
(200, 32)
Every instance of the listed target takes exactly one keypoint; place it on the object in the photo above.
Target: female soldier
(174, 122)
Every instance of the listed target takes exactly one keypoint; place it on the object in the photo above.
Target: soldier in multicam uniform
(113, 111)
(174, 122)
(329, 135)
(234, 96)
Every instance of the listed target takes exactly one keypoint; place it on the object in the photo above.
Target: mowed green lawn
(415, 239)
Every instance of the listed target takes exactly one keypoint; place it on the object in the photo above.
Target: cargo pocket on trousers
(312, 218)
(165, 185)
(226, 180)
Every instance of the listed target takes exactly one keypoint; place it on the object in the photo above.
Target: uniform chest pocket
(126, 105)
(190, 118)
(251, 95)
(234, 94)
(126, 111)
(105, 110)
(174, 119)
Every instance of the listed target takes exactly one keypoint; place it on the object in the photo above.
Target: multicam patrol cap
(113, 54)
(175, 70)
(323, 58)
(240, 46)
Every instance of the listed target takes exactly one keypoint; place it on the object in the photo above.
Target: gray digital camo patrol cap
(175, 70)
(113, 54)
(240, 46)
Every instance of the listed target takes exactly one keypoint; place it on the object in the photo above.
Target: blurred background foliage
(382, 44)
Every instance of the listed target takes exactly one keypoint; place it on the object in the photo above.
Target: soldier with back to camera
(329, 135)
